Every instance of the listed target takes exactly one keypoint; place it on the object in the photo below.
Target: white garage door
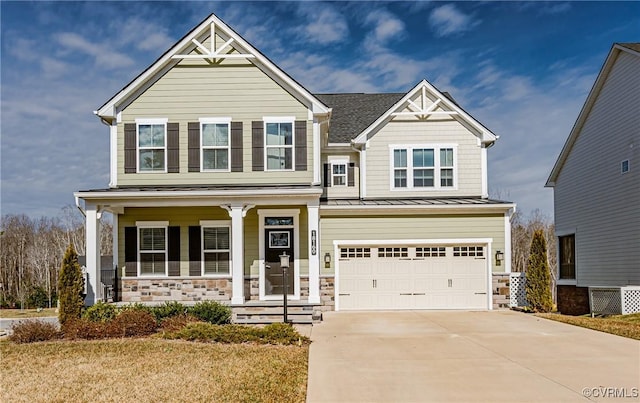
(413, 277)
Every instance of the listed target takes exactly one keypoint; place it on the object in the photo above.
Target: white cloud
(386, 26)
(103, 56)
(323, 25)
(448, 20)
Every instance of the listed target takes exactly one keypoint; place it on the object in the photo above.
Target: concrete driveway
(493, 356)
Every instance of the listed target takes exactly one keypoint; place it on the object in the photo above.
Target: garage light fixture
(327, 259)
(499, 257)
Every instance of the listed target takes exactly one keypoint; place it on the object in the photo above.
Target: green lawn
(27, 313)
(621, 325)
(152, 370)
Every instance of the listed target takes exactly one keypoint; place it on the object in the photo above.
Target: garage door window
(431, 252)
(393, 252)
(477, 251)
(355, 252)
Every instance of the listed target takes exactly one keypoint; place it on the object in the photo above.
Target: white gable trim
(486, 136)
(185, 45)
(586, 109)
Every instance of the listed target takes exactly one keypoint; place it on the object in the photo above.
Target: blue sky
(523, 69)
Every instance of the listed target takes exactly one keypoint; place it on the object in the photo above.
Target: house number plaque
(313, 242)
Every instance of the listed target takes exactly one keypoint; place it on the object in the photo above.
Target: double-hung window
(279, 144)
(214, 138)
(152, 145)
(567, 257)
(339, 173)
(152, 249)
(425, 167)
(216, 249)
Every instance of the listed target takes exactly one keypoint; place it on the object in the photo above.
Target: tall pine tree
(70, 285)
(538, 284)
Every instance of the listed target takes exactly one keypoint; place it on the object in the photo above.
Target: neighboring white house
(596, 183)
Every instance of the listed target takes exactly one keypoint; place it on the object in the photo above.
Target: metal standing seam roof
(436, 201)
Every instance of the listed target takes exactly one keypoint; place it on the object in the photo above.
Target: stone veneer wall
(500, 290)
(327, 294)
(573, 300)
(175, 289)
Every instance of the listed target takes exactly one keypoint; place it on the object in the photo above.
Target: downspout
(363, 172)
(80, 208)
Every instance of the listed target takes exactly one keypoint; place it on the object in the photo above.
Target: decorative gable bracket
(424, 110)
(214, 53)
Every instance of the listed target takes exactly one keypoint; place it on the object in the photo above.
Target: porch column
(314, 253)
(92, 252)
(237, 254)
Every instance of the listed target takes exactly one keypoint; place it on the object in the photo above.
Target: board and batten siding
(195, 89)
(469, 172)
(388, 227)
(591, 195)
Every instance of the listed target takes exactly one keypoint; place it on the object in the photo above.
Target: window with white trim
(423, 167)
(393, 252)
(624, 166)
(355, 252)
(152, 250)
(152, 146)
(216, 250)
(338, 174)
(471, 251)
(279, 146)
(214, 140)
(436, 251)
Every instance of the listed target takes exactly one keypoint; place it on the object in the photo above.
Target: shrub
(137, 306)
(175, 323)
(278, 333)
(168, 309)
(132, 323)
(85, 329)
(70, 284)
(212, 312)
(37, 298)
(100, 312)
(33, 330)
(282, 333)
(538, 284)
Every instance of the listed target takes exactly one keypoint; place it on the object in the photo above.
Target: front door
(277, 242)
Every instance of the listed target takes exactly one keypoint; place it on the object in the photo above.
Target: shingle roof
(633, 46)
(352, 113)
(425, 201)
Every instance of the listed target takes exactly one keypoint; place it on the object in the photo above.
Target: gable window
(567, 257)
(423, 167)
(279, 145)
(152, 250)
(152, 145)
(215, 144)
(339, 174)
(216, 250)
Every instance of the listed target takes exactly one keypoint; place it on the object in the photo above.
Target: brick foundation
(500, 288)
(175, 289)
(573, 300)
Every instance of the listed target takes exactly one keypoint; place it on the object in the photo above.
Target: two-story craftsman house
(221, 162)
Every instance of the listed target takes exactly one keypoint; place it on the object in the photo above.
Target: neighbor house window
(339, 174)
(279, 145)
(423, 167)
(152, 250)
(215, 145)
(216, 250)
(624, 166)
(567, 257)
(152, 147)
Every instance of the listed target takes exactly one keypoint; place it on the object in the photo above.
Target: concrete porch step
(263, 321)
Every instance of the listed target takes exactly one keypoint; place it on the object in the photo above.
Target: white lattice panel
(518, 294)
(630, 300)
(605, 301)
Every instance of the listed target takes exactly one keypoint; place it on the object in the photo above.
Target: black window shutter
(173, 250)
(194, 251)
(193, 133)
(257, 145)
(130, 251)
(236, 146)
(301, 145)
(173, 148)
(351, 177)
(130, 148)
(327, 175)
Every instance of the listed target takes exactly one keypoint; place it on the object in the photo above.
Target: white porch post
(92, 252)
(237, 254)
(114, 237)
(314, 253)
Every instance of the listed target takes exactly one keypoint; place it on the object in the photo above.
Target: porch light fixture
(499, 257)
(327, 258)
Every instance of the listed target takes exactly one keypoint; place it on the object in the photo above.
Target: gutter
(80, 208)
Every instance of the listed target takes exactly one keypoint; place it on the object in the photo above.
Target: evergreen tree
(70, 285)
(538, 284)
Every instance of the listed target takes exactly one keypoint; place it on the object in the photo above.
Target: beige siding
(342, 192)
(194, 89)
(411, 227)
(469, 179)
(592, 197)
